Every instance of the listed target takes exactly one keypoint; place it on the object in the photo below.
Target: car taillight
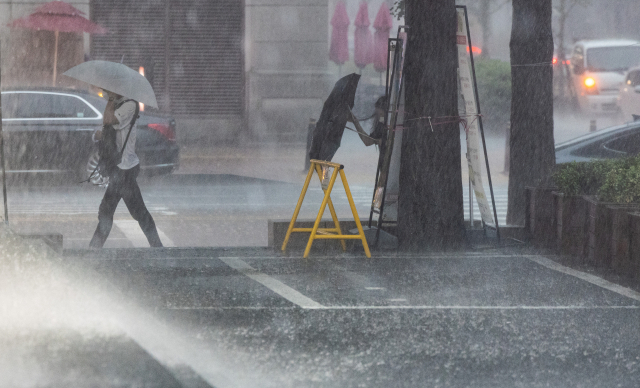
(590, 85)
(164, 130)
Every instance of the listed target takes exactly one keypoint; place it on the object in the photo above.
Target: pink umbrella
(382, 25)
(363, 40)
(58, 16)
(339, 49)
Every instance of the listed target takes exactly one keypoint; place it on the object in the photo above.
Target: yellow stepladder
(326, 233)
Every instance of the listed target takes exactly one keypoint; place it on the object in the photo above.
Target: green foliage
(494, 91)
(611, 180)
(582, 178)
(622, 185)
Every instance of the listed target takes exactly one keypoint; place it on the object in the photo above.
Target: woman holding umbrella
(125, 88)
(121, 114)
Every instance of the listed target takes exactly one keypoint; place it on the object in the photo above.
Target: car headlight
(590, 85)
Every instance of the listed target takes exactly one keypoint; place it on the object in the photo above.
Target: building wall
(286, 66)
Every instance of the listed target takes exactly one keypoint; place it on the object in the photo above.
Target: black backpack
(109, 156)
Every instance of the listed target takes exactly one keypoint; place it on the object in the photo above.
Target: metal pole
(394, 121)
(4, 173)
(484, 144)
(383, 142)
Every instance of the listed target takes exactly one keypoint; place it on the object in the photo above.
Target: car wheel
(89, 170)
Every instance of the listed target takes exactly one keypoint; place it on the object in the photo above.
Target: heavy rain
(320, 193)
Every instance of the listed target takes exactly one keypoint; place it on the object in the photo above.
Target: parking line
(543, 261)
(274, 285)
(134, 234)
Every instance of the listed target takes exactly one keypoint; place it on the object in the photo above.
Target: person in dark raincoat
(378, 128)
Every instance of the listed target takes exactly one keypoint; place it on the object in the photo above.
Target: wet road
(252, 318)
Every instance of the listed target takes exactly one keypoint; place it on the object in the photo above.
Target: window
(73, 107)
(628, 144)
(612, 58)
(45, 106)
(633, 79)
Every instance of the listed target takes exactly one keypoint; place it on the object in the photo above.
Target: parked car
(609, 143)
(597, 73)
(629, 95)
(50, 130)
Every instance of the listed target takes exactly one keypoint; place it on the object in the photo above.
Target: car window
(44, 106)
(629, 144)
(612, 58)
(98, 102)
(74, 107)
(633, 79)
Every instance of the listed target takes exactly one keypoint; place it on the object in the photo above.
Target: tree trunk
(485, 23)
(532, 145)
(430, 212)
(563, 12)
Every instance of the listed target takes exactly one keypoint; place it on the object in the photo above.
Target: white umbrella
(116, 78)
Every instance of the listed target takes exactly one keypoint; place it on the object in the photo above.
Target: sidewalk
(285, 162)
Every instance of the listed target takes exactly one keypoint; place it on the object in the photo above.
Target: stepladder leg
(365, 245)
(332, 209)
(298, 206)
(325, 201)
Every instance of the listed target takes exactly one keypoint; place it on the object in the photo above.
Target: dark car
(609, 143)
(51, 131)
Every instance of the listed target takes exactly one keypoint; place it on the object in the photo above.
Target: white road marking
(274, 285)
(630, 307)
(467, 255)
(479, 255)
(397, 300)
(375, 288)
(41, 208)
(543, 261)
(132, 231)
(89, 238)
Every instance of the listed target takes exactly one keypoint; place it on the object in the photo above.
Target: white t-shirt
(125, 114)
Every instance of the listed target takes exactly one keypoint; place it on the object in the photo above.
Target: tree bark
(485, 22)
(532, 144)
(430, 212)
(561, 52)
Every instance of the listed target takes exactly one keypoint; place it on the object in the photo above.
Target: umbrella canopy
(116, 78)
(335, 112)
(339, 48)
(363, 40)
(382, 25)
(57, 16)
